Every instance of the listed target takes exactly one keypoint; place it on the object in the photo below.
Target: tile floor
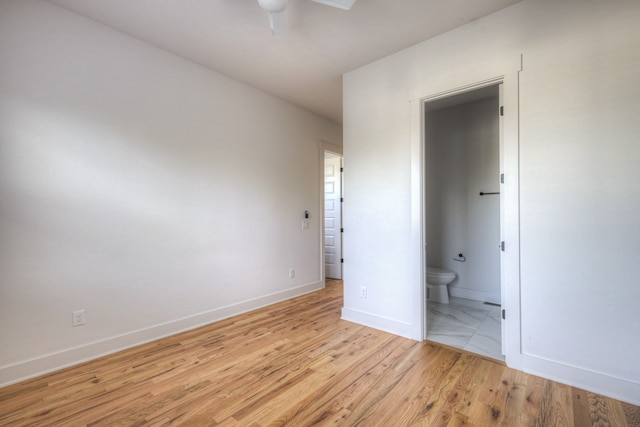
(466, 324)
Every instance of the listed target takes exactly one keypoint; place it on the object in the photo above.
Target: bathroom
(462, 209)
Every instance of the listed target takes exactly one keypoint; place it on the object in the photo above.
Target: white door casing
(333, 217)
(503, 324)
(510, 224)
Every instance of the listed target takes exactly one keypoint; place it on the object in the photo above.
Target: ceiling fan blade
(341, 4)
(278, 22)
(277, 8)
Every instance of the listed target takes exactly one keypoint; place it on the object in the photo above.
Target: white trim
(441, 86)
(331, 148)
(385, 324)
(503, 293)
(23, 370)
(463, 89)
(596, 382)
(418, 226)
(510, 194)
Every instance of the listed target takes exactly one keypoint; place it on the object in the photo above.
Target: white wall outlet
(292, 273)
(363, 291)
(305, 224)
(78, 318)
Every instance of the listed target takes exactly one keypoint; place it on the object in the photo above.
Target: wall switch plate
(292, 273)
(363, 291)
(78, 318)
(305, 224)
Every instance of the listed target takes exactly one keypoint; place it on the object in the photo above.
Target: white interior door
(332, 216)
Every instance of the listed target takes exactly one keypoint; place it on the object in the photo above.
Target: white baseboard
(392, 326)
(23, 370)
(596, 382)
(474, 295)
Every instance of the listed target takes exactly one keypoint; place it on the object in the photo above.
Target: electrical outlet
(305, 224)
(292, 273)
(363, 291)
(78, 318)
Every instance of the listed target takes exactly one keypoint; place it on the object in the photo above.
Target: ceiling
(304, 66)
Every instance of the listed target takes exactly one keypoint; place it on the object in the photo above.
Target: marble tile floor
(466, 324)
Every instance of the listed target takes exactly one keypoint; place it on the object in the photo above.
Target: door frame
(510, 209)
(324, 146)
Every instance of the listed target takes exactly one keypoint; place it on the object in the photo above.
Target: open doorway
(332, 215)
(462, 168)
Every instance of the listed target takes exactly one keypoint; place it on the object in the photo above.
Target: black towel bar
(482, 193)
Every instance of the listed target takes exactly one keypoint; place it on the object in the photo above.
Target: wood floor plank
(562, 406)
(491, 398)
(471, 398)
(421, 402)
(347, 390)
(449, 395)
(617, 414)
(515, 398)
(534, 410)
(632, 414)
(296, 363)
(580, 408)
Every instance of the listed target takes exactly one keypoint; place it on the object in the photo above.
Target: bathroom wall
(462, 159)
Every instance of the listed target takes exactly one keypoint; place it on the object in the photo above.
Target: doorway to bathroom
(462, 223)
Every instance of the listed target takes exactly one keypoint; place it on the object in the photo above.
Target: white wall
(579, 187)
(462, 159)
(151, 192)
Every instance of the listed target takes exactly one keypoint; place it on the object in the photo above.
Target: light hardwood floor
(297, 364)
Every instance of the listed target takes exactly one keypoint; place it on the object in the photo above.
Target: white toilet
(437, 281)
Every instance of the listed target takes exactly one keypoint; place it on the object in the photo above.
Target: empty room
(319, 212)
